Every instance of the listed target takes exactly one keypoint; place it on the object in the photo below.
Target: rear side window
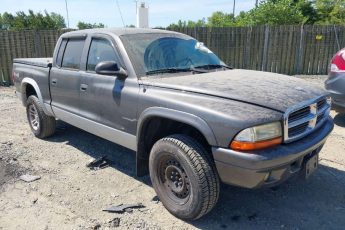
(73, 52)
(100, 50)
(60, 52)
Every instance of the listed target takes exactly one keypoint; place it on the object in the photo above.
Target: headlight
(258, 137)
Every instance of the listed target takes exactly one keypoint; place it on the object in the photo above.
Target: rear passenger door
(65, 76)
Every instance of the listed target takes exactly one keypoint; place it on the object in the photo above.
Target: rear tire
(184, 176)
(41, 124)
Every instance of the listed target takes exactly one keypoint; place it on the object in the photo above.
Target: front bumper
(266, 168)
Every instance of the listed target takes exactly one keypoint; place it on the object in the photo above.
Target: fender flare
(187, 118)
(29, 81)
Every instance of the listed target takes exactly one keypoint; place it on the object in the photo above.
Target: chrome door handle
(83, 87)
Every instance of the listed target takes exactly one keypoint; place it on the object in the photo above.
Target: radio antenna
(118, 7)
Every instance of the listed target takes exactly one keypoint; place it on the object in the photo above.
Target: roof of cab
(117, 31)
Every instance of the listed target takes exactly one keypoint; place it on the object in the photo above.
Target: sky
(161, 12)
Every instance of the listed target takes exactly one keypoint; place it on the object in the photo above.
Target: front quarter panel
(180, 116)
(224, 117)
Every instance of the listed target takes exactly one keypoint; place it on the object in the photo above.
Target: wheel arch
(29, 82)
(191, 121)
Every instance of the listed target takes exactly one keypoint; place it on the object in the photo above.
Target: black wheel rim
(174, 179)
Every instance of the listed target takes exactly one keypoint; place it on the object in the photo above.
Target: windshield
(162, 53)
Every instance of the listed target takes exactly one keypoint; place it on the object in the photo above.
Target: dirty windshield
(159, 53)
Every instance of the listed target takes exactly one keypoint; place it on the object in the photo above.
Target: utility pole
(233, 8)
(67, 14)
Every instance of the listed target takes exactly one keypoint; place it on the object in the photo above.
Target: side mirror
(111, 68)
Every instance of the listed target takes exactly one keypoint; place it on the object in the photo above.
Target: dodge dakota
(193, 121)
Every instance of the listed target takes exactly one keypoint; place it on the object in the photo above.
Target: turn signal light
(248, 146)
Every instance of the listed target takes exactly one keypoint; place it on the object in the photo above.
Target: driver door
(105, 99)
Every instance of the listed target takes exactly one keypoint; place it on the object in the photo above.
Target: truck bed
(36, 69)
(40, 62)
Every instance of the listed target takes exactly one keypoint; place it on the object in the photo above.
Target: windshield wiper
(174, 70)
(212, 66)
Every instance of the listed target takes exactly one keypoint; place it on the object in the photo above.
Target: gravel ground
(70, 196)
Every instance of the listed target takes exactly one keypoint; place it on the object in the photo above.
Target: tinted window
(100, 50)
(72, 55)
(155, 51)
(60, 52)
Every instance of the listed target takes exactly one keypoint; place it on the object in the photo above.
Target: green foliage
(330, 11)
(278, 12)
(58, 20)
(180, 23)
(221, 19)
(308, 11)
(85, 25)
(7, 20)
(0, 21)
(37, 21)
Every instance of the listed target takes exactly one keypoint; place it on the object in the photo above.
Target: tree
(274, 12)
(179, 24)
(330, 11)
(7, 20)
(21, 21)
(278, 12)
(85, 25)
(244, 19)
(221, 19)
(308, 11)
(57, 20)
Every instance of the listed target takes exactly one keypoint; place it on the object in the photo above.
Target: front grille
(320, 118)
(299, 114)
(302, 119)
(321, 104)
(297, 130)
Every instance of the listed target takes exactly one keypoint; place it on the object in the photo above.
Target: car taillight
(338, 62)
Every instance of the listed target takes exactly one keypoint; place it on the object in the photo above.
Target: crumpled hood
(270, 90)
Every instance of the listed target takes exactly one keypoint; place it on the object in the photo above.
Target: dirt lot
(70, 196)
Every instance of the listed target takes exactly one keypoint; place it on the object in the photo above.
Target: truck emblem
(313, 111)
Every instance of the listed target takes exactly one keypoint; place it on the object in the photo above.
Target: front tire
(41, 124)
(184, 176)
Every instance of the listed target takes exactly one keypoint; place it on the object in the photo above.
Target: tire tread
(48, 123)
(202, 163)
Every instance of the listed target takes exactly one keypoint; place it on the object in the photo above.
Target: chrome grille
(294, 131)
(302, 119)
(299, 114)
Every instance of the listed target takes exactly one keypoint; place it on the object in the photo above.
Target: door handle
(83, 87)
(54, 81)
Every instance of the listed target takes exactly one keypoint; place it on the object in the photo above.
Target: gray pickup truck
(192, 120)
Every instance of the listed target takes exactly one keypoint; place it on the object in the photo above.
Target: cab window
(100, 50)
(72, 55)
(60, 52)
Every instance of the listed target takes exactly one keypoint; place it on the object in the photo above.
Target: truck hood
(269, 90)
